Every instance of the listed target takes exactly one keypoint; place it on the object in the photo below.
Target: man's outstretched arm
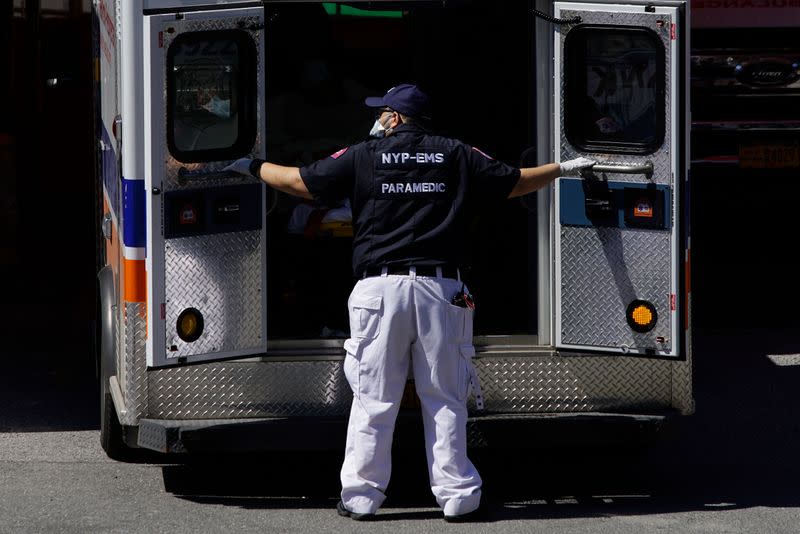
(280, 177)
(534, 178)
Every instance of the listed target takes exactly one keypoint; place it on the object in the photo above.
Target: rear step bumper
(319, 433)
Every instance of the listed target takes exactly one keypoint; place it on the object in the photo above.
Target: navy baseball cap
(405, 98)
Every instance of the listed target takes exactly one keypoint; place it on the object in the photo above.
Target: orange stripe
(134, 277)
(135, 281)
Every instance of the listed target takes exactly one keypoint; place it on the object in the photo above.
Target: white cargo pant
(394, 318)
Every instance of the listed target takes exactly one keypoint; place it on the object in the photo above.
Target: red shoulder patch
(338, 153)
(482, 153)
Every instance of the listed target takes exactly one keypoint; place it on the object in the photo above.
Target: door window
(211, 95)
(614, 97)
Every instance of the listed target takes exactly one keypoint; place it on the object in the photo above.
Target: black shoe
(477, 516)
(344, 512)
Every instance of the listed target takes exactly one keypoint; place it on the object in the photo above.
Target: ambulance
(223, 302)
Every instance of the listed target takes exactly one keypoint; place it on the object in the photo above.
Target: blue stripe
(133, 213)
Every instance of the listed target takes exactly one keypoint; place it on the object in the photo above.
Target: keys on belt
(447, 271)
(463, 299)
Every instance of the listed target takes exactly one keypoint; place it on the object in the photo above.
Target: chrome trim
(116, 396)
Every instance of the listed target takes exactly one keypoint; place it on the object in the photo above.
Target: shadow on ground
(738, 450)
(518, 484)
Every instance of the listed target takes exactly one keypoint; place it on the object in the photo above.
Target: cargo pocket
(465, 370)
(458, 324)
(352, 361)
(365, 316)
(470, 376)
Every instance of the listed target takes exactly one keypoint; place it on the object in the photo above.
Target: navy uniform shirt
(410, 193)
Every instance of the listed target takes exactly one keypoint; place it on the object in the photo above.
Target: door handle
(645, 168)
(185, 175)
(106, 226)
(58, 81)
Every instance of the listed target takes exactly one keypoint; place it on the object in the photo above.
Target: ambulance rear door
(619, 236)
(206, 247)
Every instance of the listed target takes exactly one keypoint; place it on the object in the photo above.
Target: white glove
(573, 167)
(241, 165)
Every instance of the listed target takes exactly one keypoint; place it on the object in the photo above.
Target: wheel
(112, 435)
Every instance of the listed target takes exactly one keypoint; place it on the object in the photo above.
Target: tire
(112, 434)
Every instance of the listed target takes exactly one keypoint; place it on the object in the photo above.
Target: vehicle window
(614, 94)
(211, 95)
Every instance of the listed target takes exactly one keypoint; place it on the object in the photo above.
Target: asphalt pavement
(731, 467)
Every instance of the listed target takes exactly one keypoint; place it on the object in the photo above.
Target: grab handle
(185, 175)
(645, 168)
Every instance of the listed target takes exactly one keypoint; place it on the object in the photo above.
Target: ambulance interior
(321, 61)
(477, 62)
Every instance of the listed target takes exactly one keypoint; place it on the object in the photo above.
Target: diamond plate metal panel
(518, 384)
(159, 437)
(661, 158)
(221, 276)
(120, 347)
(682, 397)
(132, 375)
(250, 389)
(603, 270)
(558, 384)
(171, 181)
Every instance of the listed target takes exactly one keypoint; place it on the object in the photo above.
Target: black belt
(448, 271)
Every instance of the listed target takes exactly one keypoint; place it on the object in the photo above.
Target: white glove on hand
(241, 165)
(573, 167)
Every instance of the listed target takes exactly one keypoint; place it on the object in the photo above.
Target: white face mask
(379, 130)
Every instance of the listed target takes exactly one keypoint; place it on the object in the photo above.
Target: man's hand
(286, 179)
(245, 166)
(573, 167)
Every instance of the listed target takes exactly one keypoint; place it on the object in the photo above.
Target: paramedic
(411, 192)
